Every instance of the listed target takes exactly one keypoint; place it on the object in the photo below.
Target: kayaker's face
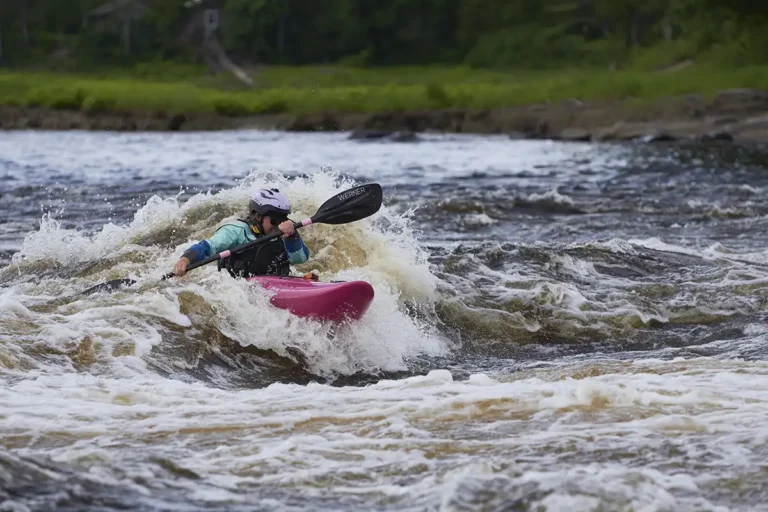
(269, 227)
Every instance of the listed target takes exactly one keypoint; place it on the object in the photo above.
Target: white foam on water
(716, 251)
(417, 431)
(382, 249)
(90, 330)
(755, 329)
(551, 197)
(478, 219)
(647, 435)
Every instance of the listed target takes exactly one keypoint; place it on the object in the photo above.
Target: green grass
(317, 89)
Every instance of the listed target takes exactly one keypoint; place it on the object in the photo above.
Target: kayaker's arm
(297, 250)
(226, 237)
(198, 251)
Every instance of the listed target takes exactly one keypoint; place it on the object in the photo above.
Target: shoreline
(732, 115)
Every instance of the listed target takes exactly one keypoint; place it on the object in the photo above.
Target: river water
(557, 326)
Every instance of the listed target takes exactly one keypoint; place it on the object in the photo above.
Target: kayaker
(268, 211)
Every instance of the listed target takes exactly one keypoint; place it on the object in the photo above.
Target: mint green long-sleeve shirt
(234, 234)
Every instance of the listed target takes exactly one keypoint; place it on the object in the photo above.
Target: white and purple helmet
(269, 202)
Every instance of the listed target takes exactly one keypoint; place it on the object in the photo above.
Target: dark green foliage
(361, 33)
(438, 96)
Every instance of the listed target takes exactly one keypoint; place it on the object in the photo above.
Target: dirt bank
(740, 114)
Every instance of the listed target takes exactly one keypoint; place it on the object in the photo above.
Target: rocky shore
(733, 115)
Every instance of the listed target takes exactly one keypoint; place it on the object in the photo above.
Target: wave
(181, 325)
(502, 294)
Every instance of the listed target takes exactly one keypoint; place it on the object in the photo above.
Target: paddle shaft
(345, 207)
(238, 249)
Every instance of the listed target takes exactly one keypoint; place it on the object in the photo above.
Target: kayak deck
(339, 301)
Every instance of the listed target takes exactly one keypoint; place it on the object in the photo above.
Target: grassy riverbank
(335, 89)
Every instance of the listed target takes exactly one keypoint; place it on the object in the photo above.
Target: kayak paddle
(348, 206)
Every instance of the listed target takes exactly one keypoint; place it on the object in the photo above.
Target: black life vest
(267, 259)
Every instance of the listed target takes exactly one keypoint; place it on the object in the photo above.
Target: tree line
(481, 33)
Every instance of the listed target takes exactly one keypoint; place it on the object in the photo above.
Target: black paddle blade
(108, 286)
(351, 205)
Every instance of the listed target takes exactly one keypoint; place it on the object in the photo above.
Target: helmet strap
(256, 222)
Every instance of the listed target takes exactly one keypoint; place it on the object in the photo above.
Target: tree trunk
(24, 24)
(281, 26)
(631, 27)
(281, 34)
(127, 35)
(667, 26)
(1, 44)
(216, 56)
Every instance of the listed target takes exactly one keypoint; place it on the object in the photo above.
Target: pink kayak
(348, 300)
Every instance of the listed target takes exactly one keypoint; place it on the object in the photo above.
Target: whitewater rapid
(555, 327)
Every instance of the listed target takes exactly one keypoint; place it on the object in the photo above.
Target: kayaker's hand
(181, 266)
(287, 228)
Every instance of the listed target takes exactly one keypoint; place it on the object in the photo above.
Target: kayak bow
(335, 301)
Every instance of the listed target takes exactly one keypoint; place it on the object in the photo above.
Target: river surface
(557, 326)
